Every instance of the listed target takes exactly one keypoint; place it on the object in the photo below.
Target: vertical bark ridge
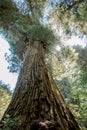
(36, 95)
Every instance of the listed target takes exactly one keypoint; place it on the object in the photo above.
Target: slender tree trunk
(36, 96)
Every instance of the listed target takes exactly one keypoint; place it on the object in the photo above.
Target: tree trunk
(36, 96)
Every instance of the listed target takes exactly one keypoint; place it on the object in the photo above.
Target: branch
(74, 4)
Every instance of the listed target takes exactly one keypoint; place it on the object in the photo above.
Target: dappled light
(43, 65)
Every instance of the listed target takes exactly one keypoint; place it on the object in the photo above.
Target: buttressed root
(45, 125)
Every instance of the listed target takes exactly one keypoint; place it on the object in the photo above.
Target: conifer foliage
(36, 96)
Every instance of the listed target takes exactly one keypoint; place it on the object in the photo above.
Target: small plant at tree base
(11, 123)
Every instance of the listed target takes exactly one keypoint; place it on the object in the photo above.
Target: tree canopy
(71, 14)
(26, 19)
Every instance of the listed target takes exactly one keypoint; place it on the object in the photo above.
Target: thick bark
(36, 96)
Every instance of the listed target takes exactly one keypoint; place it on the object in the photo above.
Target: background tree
(72, 81)
(71, 15)
(5, 98)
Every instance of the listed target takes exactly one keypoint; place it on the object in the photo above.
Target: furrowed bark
(36, 96)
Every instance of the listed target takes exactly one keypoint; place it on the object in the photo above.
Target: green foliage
(14, 63)
(78, 103)
(5, 97)
(70, 81)
(72, 16)
(80, 17)
(41, 33)
(24, 25)
(11, 123)
(65, 88)
(79, 89)
(30, 33)
(82, 62)
(36, 8)
(56, 66)
(6, 8)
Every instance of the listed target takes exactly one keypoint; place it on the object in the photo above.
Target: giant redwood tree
(36, 96)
